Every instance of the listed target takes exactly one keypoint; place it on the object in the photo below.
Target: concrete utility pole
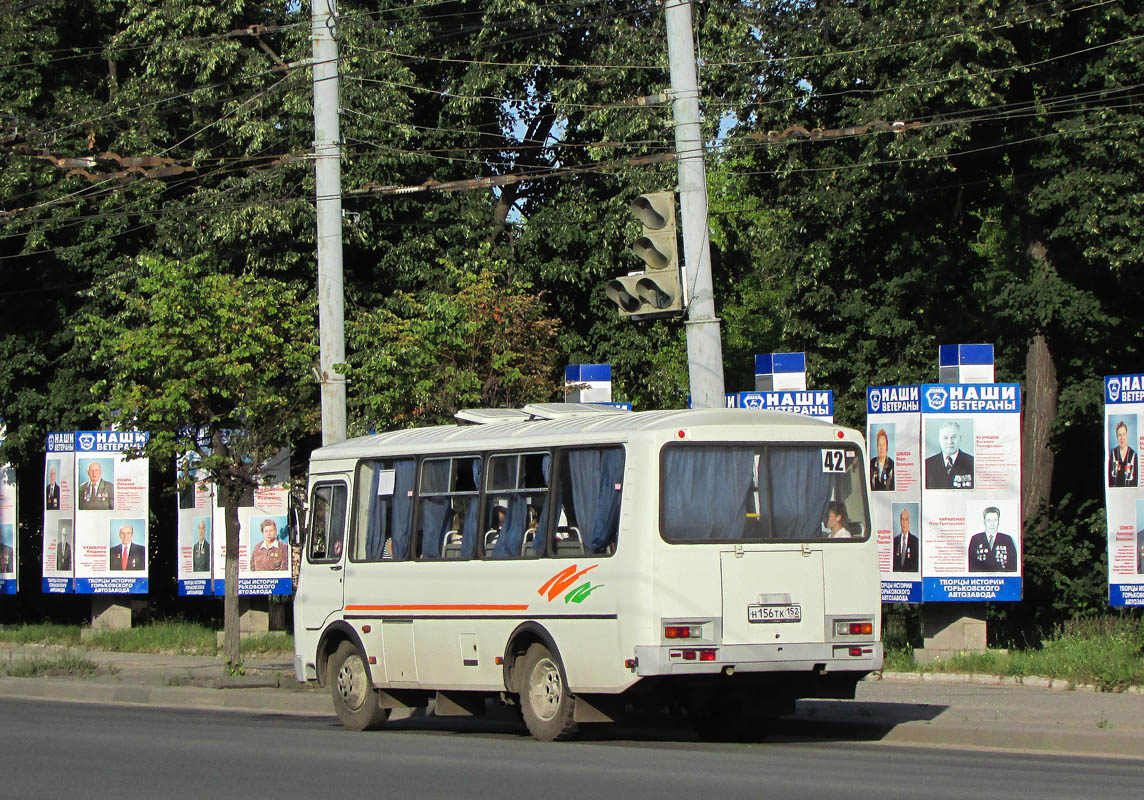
(704, 349)
(328, 174)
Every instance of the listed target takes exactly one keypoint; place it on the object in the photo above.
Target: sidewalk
(900, 708)
(175, 681)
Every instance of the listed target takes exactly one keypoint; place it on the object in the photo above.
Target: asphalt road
(65, 750)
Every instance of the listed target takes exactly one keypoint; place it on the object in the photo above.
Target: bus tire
(355, 700)
(546, 704)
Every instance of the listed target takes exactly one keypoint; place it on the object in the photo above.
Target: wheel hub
(352, 683)
(546, 689)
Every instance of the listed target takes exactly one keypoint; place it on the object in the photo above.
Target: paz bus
(576, 562)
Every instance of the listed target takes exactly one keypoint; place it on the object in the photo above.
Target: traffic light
(657, 291)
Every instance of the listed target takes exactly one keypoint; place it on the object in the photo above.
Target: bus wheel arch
(524, 636)
(328, 644)
(535, 673)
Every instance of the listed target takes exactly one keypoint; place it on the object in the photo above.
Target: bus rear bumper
(827, 657)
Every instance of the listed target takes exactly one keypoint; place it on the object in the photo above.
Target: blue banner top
(1123, 389)
(892, 399)
(954, 355)
(577, 373)
(770, 363)
(971, 398)
(61, 442)
(109, 441)
(812, 403)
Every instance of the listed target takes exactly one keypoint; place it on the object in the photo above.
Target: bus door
(772, 596)
(321, 586)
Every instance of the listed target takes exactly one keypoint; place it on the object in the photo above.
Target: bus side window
(516, 501)
(588, 495)
(384, 506)
(449, 495)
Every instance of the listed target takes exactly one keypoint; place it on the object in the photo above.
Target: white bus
(576, 561)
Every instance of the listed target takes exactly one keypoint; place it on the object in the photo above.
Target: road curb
(1029, 681)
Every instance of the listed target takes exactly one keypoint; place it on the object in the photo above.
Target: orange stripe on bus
(440, 607)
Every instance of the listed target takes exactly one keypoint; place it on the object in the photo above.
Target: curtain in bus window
(375, 519)
(538, 542)
(800, 491)
(512, 531)
(436, 512)
(705, 492)
(469, 525)
(595, 475)
(402, 507)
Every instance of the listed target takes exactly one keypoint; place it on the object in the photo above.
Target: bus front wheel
(355, 699)
(545, 702)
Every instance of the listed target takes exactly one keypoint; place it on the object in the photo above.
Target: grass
(170, 636)
(42, 633)
(1107, 652)
(184, 638)
(72, 665)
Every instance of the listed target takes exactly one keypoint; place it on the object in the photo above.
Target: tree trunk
(231, 639)
(1040, 414)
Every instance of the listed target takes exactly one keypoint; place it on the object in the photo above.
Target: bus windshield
(762, 492)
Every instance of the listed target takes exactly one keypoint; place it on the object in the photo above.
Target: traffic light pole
(328, 190)
(704, 349)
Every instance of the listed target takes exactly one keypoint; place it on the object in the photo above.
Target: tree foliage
(1000, 208)
(215, 363)
(421, 357)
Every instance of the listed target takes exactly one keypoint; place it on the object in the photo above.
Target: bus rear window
(762, 493)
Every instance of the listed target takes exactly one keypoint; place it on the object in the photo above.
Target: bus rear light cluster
(693, 655)
(682, 631)
(858, 652)
(854, 628)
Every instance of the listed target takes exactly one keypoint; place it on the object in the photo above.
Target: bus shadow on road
(815, 720)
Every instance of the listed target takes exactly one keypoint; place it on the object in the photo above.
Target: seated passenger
(836, 521)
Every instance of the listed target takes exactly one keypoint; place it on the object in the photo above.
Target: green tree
(421, 357)
(194, 355)
(998, 209)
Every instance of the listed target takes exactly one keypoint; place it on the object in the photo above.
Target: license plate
(774, 613)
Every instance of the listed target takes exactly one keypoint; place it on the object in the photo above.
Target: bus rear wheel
(546, 704)
(355, 699)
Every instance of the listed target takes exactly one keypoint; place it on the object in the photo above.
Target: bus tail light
(854, 628)
(706, 655)
(682, 631)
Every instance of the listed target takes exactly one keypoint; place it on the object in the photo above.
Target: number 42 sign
(833, 461)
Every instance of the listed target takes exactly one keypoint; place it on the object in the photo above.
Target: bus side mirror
(295, 527)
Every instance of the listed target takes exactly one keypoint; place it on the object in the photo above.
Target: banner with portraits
(893, 435)
(971, 495)
(110, 552)
(1123, 495)
(58, 548)
(9, 537)
(263, 550)
(194, 528)
(817, 403)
